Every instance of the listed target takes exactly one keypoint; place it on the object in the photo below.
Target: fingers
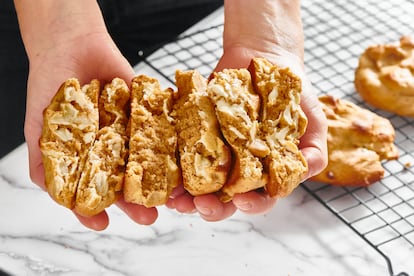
(254, 202)
(97, 223)
(177, 191)
(209, 207)
(138, 213)
(36, 169)
(181, 200)
(37, 174)
(313, 143)
(212, 209)
(316, 160)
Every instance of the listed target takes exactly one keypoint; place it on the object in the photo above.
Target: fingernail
(192, 211)
(205, 211)
(245, 206)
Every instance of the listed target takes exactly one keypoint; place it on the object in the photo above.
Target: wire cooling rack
(336, 33)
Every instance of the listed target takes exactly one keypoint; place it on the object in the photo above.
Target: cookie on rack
(204, 158)
(385, 76)
(358, 141)
(152, 170)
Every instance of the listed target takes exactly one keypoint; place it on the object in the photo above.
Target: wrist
(49, 24)
(265, 26)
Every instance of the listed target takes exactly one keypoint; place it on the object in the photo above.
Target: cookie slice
(204, 158)
(358, 141)
(152, 170)
(102, 178)
(282, 123)
(237, 110)
(69, 130)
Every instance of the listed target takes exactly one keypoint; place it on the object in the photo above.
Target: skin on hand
(271, 29)
(66, 39)
(105, 63)
(74, 43)
(312, 145)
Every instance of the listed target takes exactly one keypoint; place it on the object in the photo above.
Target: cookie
(385, 76)
(237, 109)
(358, 141)
(70, 125)
(235, 133)
(102, 177)
(282, 123)
(261, 119)
(152, 171)
(204, 158)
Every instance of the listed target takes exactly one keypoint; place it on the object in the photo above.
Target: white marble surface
(298, 237)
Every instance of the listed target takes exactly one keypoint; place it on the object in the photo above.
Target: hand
(87, 56)
(271, 29)
(312, 144)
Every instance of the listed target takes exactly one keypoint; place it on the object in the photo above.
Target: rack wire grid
(336, 34)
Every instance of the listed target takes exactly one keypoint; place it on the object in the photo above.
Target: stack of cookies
(235, 133)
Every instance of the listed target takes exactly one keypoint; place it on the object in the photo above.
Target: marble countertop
(299, 236)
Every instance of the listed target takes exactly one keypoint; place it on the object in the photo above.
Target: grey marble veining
(298, 237)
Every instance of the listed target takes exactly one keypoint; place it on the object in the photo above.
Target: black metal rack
(336, 33)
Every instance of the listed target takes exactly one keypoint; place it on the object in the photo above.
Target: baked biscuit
(102, 178)
(358, 140)
(238, 132)
(152, 170)
(69, 130)
(282, 123)
(260, 117)
(385, 76)
(237, 109)
(204, 158)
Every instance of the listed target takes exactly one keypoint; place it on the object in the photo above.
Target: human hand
(97, 58)
(246, 37)
(83, 50)
(312, 143)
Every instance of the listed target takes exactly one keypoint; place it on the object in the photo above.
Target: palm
(312, 144)
(97, 58)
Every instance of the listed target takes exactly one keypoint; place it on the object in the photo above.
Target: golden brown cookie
(237, 109)
(385, 76)
(262, 121)
(69, 130)
(204, 158)
(152, 170)
(282, 123)
(102, 178)
(358, 140)
(236, 133)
